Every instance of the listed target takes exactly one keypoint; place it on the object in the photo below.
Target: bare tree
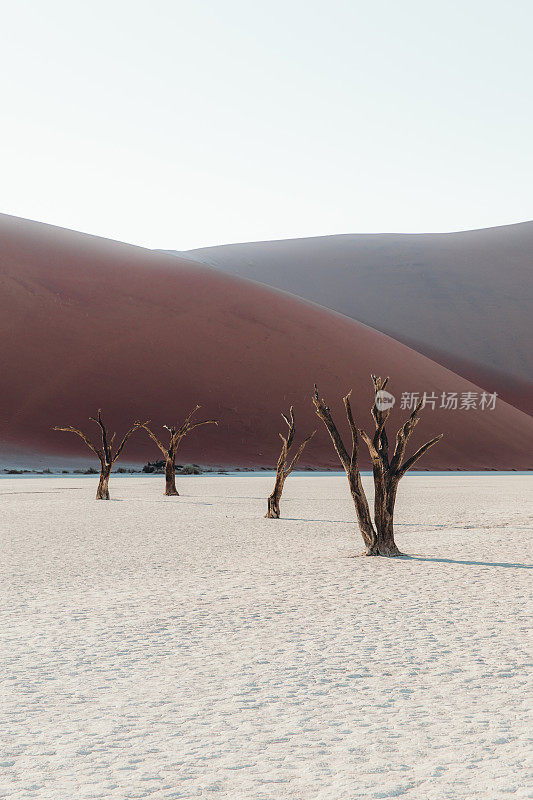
(378, 536)
(282, 470)
(104, 452)
(169, 451)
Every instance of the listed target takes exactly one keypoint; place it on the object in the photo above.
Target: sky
(173, 124)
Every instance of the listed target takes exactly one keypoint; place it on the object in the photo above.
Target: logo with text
(449, 401)
(384, 400)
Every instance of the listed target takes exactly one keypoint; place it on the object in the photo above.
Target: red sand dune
(462, 299)
(88, 323)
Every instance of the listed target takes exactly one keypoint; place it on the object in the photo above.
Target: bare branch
(98, 420)
(177, 434)
(134, 427)
(85, 438)
(419, 453)
(298, 454)
(185, 424)
(379, 383)
(380, 416)
(374, 454)
(353, 428)
(205, 422)
(322, 411)
(402, 437)
(155, 438)
(290, 422)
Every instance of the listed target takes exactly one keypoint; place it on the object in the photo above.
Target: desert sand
(88, 323)
(183, 648)
(463, 299)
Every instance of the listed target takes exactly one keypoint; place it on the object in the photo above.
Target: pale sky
(178, 124)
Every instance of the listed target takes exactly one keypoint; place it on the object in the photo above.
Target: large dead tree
(282, 470)
(170, 450)
(104, 452)
(378, 536)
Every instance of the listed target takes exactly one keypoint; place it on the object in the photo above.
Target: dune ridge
(462, 299)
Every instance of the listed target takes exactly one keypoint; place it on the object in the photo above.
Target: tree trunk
(384, 500)
(273, 500)
(273, 507)
(386, 546)
(170, 477)
(361, 509)
(102, 493)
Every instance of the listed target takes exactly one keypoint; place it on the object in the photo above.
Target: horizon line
(266, 241)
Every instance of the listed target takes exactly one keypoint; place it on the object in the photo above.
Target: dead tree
(170, 450)
(378, 536)
(105, 453)
(282, 470)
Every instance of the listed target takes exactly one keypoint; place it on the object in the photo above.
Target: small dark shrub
(191, 469)
(155, 466)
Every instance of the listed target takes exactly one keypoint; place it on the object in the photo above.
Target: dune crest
(462, 299)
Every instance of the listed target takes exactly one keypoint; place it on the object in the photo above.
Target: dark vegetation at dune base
(158, 467)
(190, 469)
(155, 467)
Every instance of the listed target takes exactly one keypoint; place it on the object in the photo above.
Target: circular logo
(384, 400)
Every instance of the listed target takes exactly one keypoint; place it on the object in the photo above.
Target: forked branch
(378, 446)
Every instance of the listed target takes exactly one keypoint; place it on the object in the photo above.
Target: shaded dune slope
(463, 299)
(88, 323)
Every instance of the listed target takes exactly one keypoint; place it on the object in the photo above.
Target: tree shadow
(512, 565)
(354, 522)
(308, 519)
(426, 526)
(46, 491)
